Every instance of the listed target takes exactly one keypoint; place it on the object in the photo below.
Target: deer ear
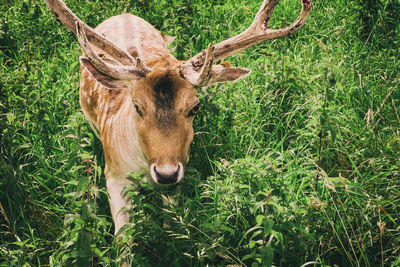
(168, 39)
(221, 74)
(104, 79)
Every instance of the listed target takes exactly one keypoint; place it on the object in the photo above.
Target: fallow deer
(141, 100)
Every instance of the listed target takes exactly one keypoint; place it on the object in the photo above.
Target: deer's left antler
(257, 32)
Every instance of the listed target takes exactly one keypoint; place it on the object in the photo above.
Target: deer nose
(167, 174)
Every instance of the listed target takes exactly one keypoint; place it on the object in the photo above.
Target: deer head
(163, 90)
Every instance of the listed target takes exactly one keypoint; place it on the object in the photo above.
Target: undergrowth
(296, 165)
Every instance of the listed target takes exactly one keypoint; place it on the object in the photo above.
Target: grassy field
(296, 165)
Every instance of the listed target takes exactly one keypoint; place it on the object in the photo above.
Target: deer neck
(123, 154)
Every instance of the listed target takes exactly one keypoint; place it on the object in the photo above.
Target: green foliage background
(296, 165)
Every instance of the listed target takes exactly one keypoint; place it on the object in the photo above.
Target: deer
(141, 101)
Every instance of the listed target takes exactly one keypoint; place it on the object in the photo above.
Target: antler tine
(118, 72)
(255, 34)
(263, 15)
(69, 19)
(203, 76)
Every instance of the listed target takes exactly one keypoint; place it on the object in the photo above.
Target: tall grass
(296, 165)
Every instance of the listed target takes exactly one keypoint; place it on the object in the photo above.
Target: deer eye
(194, 110)
(138, 111)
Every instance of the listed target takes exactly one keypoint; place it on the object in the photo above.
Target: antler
(203, 76)
(86, 34)
(255, 34)
(118, 72)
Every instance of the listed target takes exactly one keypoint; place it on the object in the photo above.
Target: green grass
(297, 164)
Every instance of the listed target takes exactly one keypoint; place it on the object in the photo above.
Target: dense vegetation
(298, 164)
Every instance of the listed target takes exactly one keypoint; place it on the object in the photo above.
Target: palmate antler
(258, 32)
(199, 70)
(87, 36)
(118, 72)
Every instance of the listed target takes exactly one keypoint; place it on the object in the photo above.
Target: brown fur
(143, 112)
(163, 96)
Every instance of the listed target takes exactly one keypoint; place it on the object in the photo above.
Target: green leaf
(268, 223)
(268, 256)
(84, 244)
(83, 182)
(227, 229)
(84, 211)
(259, 219)
(10, 117)
(151, 207)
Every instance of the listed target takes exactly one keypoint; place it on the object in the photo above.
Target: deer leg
(118, 201)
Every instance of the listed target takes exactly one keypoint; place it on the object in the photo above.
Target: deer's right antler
(118, 72)
(131, 67)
